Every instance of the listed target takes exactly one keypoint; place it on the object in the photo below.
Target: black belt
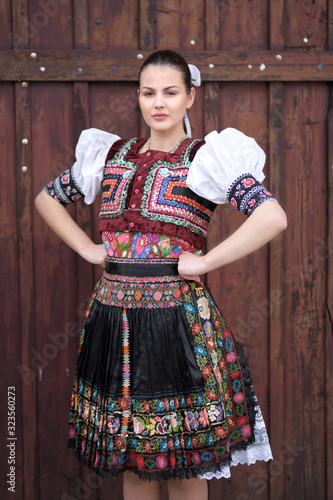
(149, 268)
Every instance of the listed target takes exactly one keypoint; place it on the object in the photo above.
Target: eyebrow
(166, 88)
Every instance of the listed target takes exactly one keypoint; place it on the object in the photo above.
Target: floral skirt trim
(163, 401)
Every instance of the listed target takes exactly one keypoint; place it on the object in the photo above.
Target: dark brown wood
(212, 16)
(147, 25)
(276, 25)
(327, 256)
(6, 33)
(108, 65)
(243, 25)
(114, 25)
(306, 25)
(275, 307)
(81, 24)
(27, 304)
(330, 25)
(12, 381)
(304, 277)
(20, 35)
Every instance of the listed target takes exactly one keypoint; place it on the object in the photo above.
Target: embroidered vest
(147, 192)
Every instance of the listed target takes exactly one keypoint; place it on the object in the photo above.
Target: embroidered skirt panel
(161, 387)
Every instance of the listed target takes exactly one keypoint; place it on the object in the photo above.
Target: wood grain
(277, 297)
(108, 65)
(329, 306)
(27, 302)
(305, 285)
(10, 293)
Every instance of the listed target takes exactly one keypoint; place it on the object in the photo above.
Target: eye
(147, 94)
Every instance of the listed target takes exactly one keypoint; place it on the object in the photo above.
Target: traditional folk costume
(161, 386)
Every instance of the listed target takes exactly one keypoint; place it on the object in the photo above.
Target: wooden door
(267, 69)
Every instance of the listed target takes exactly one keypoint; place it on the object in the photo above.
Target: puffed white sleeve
(84, 178)
(229, 168)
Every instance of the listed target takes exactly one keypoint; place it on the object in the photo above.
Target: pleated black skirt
(161, 386)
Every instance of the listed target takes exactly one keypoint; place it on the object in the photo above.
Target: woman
(161, 387)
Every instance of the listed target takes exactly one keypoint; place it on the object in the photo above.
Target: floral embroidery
(145, 245)
(246, 193)
(171, 431)
(65, 188)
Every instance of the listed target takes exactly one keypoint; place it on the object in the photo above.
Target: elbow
(39, 201)
(280, 220)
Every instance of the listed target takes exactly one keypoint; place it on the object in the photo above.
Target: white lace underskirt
(258, 450)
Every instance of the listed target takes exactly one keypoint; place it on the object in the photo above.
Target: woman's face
(163, 99)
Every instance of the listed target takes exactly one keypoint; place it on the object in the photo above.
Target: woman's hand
(190, 266)
(95, 254)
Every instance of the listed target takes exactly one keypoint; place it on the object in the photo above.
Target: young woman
(161, 390)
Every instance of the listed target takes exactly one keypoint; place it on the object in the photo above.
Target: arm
(59, 220)
(266, 222)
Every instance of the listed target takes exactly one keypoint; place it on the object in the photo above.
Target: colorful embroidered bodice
(134, 245)
(147, 193)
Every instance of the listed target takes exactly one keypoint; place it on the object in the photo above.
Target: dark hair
(169, 58)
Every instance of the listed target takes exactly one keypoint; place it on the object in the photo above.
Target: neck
(162, 142)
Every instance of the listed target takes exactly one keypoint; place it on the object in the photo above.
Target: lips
(159, 116)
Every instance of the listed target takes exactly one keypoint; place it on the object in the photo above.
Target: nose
(159, 101)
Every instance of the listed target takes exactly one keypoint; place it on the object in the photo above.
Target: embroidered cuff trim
(64, 188)
(246, 194)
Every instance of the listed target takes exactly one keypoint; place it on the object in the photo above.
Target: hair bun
(195, 75)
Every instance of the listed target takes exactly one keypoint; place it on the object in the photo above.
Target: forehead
(161, 76)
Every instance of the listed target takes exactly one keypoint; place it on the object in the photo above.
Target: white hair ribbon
(195, 75)
(187, 125)
(196, 81)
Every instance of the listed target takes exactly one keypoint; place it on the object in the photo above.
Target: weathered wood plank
(81, 24)
(330, 25)
(168, 14)
(276, 25)
(306, 25)
(243, 25)
(147, 24)
(6, 33)
(10, 296)
(305, 279)
(114, 25)
(51, 24)
(241, 288)
(56, 323)
(108, 65)
(27, 303)
(212, 28)
(21, 29)
(326, 254)
(275, 308)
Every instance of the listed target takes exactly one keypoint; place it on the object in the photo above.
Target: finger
(190, 278)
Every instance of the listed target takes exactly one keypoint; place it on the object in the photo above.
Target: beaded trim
(173, 149)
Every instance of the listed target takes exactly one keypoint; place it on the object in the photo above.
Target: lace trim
(260, 450)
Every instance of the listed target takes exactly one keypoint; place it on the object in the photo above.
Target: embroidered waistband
(142, 267)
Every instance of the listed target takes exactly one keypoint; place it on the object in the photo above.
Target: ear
(138, 92)
(191, 98)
